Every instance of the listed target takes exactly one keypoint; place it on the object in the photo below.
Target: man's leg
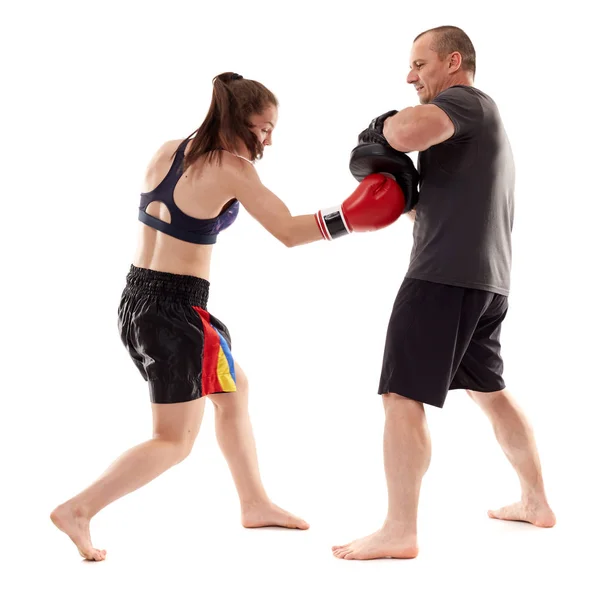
(427, 329)
(407, 453)
(515, 435)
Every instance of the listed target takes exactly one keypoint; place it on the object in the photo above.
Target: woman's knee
(180, 447)
(230, 400)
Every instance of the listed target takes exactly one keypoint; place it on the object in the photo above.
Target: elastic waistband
(188, 289)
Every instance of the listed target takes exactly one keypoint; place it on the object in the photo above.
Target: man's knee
(491, 401)
(392, 401)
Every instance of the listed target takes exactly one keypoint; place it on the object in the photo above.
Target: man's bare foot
(537, 513)
(72, 521)
(267, 514)
(391, 541)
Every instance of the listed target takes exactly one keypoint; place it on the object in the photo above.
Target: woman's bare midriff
(201, 193)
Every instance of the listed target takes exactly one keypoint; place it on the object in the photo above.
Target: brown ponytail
(234, 101)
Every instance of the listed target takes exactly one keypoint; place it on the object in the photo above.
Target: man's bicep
(435, 127)
(418, 128)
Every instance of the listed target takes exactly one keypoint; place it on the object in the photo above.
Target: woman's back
(203, 192)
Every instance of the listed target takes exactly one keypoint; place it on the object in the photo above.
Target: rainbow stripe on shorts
(218, 371)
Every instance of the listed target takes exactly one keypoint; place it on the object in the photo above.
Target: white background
(90, 92)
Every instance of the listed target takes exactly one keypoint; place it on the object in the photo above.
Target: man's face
(428, 73)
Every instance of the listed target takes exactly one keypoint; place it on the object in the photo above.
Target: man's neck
(462, 79)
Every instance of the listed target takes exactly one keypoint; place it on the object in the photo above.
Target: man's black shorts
(443, 338)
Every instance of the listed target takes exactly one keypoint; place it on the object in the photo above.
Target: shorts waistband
(188, 289)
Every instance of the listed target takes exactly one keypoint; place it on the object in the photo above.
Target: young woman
(193, 189)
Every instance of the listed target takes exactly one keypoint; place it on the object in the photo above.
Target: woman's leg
(236, 439)
(175, 429)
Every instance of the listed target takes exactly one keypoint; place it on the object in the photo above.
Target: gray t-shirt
(463, 225)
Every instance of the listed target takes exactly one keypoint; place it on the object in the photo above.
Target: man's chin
(423, 99)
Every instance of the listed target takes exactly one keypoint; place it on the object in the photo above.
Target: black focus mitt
(374, 154)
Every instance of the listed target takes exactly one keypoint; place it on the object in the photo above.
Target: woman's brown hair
(234, 101)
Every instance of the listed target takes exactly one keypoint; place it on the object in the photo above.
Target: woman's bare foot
(267, 514)
(537, 513)
(71, 520)
(391, 541)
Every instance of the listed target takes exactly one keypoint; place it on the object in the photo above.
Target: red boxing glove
(377, 202)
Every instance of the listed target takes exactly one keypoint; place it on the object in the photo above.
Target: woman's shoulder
(170, 147)
(165, 151)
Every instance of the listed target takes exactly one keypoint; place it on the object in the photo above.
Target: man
(444, 331)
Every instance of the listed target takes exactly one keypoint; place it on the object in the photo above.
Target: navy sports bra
(182, 226)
